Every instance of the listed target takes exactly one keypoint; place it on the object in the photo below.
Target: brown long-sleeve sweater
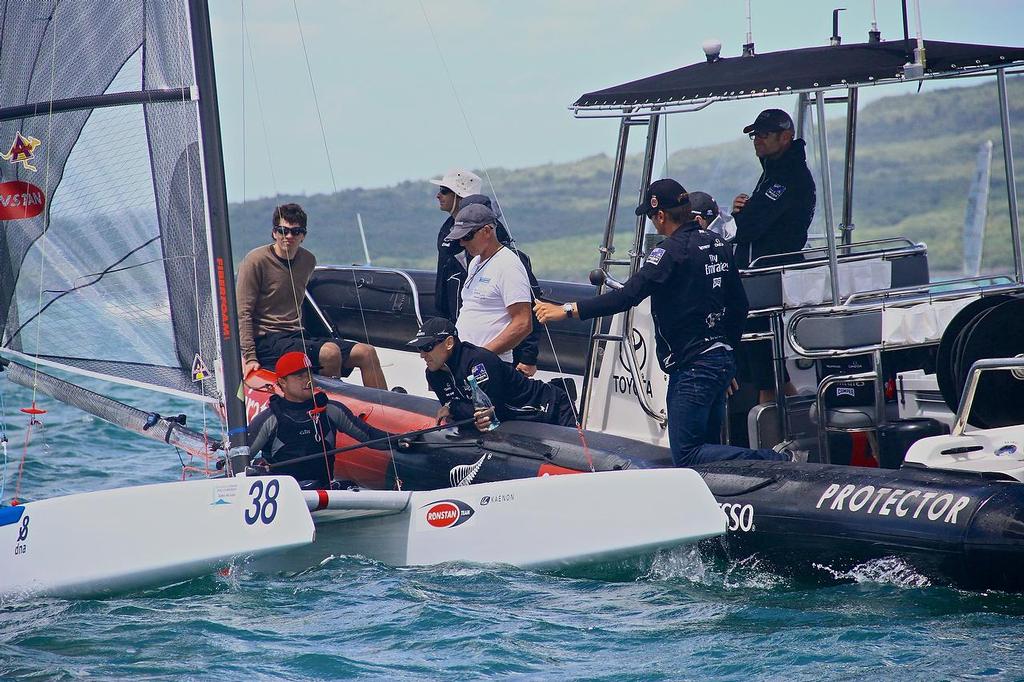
(268, 299)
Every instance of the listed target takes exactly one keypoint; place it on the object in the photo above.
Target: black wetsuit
(514, 395)
(286, 430)
(779, 211)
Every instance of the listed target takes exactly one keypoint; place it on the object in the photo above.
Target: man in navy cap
(698, 306)
(772, 220)
(451, 361)
(775, 217)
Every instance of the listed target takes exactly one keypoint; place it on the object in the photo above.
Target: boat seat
(845, 417)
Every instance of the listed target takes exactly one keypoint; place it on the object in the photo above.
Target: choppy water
(679, 617)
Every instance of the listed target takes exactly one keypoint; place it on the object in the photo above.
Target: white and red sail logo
(447, 513)
(20, 200)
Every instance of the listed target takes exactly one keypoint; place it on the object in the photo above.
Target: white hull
(111, 541)
(541, 523)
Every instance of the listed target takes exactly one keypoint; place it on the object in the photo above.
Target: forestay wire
(497, 205)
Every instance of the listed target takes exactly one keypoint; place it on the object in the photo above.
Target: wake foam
(886, 571)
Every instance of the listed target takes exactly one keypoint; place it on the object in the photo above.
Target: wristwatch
(567, 307)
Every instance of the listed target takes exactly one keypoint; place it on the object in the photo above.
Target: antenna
(362, 233)
(748, 47)
(836, 39)
(874, 35)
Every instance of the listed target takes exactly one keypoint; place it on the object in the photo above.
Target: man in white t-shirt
(496, 298)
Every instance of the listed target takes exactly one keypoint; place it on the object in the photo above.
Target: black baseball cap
(663, 194)
(433, 330)
(704, 205)
(770, 121)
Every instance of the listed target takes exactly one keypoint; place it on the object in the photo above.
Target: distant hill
(914, 162)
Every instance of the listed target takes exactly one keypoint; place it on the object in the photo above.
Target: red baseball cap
(291, 363)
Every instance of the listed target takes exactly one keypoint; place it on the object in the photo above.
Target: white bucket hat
(462, 182)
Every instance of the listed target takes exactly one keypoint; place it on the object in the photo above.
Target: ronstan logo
(20, 200)
(448, 513)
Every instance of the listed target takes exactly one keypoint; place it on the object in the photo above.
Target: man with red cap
(301, 422)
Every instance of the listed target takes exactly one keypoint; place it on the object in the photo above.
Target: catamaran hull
(540, 523)
(110, 541)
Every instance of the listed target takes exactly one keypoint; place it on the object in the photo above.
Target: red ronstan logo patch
(448, 513)
(22, 150)
(20, 200)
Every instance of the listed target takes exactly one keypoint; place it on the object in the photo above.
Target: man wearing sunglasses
(452, 276)
(270, 287)
(450, 361)
(496, 297)
(773, 219)
(453, 187)
(300, 422)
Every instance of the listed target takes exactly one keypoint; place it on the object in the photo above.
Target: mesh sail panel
(112, 277)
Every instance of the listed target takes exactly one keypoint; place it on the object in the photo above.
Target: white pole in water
(362, 233)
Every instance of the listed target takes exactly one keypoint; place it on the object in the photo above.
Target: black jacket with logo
(779, 211)
(513, 394)
(451, 275)
(286, 430)
(697, 299)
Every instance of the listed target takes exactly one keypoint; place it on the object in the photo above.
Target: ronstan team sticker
(20, 200)
(447, 513)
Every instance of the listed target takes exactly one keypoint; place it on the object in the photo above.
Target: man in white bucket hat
(456, 185)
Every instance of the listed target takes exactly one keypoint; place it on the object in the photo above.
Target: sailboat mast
(217, 204)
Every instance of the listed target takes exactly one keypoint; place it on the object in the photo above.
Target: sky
(406, 89)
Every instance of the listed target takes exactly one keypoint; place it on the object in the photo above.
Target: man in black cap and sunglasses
(270, 288)
(772, 220)
(698, 305)
(450, 361)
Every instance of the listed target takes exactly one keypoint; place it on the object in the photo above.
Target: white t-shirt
(491, 286)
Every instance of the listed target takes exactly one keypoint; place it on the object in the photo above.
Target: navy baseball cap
(433, 330)
(470, 218)
(770, 121)
(704, 205)
(661, 195)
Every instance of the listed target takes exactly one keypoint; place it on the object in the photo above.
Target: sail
(105, 264)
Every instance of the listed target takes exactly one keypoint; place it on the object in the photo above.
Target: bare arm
(515, 331)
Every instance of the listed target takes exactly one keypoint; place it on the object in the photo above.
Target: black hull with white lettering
(954, 528)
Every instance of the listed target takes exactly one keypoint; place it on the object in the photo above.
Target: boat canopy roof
(789, 71)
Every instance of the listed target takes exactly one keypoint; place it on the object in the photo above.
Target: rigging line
(42, 308)
(241, 5)
(185, 38)
(259, 106)
(316, 101)
(46, 193)
(497, 203)
(334, 184)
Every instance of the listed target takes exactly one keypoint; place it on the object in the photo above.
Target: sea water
(680, 615)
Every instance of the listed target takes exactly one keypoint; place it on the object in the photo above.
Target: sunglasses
(427, 347)
(444, 191)
(293, 231)
(470, 235)
(761, 135)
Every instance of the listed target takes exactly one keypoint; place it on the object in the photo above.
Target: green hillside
(915, 159)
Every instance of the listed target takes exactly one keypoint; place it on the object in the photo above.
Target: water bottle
(481, 401)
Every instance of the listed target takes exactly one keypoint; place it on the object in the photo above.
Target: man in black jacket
(300, 423)
(698, 306)
(450, 361)
(773, 220)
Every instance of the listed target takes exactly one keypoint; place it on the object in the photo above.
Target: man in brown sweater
(271, 284)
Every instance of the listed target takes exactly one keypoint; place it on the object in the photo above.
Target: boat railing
(362, 282)
(1015, 365)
